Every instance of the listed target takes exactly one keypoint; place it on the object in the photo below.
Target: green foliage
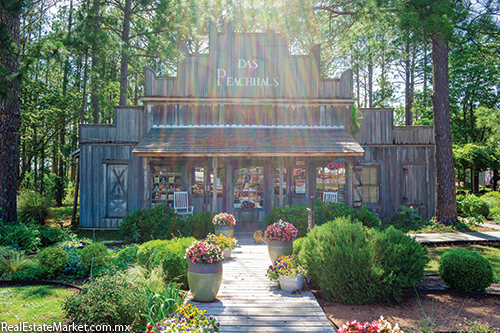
(328, 212)
(170, 256)
(109, 300)
(296, 215)
(472, 206)
(52, 260)
(297, 245)
(74, 262)
(198, 225)
(95, 251)
(160, 222)
(22, 236)
(405, 219)
(354, 264)
(31, 272)
(493, 200)
(13, 263)
(160, 304)
(401, 258)
(476, 156)
(50, 235)
(126, 256)
(146, 249)
(31, 206)
(462, 269)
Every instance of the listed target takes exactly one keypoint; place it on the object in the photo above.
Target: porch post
(349, 181)
(214, 185)
(281, 180)
(145, 168)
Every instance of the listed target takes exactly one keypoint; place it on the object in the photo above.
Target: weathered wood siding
(413, 135)
(376, 127)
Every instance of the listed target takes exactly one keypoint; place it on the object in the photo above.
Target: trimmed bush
(328, 212)
(296, 215)
(465, 270)
(52, 260)
(160, 222)
(171, 257)
(32, 206)
(198, 225)
(145, 251)
(354, 264)
(472, 206)
(21, 236)
(108, 300)
(96, 251)
(126, 256)
(297, 245)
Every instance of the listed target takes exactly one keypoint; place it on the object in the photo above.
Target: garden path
(249, 302)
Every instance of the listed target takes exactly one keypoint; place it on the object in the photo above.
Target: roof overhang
(206, 141)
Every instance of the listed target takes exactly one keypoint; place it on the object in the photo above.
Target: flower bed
(187, 319)
(203, 253)
(224, 220)
(280, 230)
(375, 326)
(287, 266)
(221, 241)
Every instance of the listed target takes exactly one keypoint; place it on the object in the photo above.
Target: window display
(166, 180)
(249, 186)
(331, 179)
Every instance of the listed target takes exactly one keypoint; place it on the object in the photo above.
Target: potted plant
(224, 224)
(225, 243)
(247, 211)
(279, 237)
(204, 270)
(290, 272)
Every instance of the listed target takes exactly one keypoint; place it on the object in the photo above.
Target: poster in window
(300, 186)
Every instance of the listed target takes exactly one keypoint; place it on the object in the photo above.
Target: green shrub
(32, 271)
(171, 257)
(52, 260)
(146, 249)
(108, 300)
(96, 251)
(15, 262)
(21, 236)
(31, 206)
(198, 225)
(126, 256)
(472, 206)
(297, 245)
(354, 264)
(296, 215)
(493, 200)
(405, 219)
(50, 235)
(401, 258)
(74, 262)
(328, 212)
(160, 222)
(466, 270)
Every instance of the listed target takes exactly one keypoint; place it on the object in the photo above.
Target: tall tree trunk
(408, 113)
(96, 53)
(9, 116)
(42, 168)
(370, 81)
(358, 87)
(446, 204)
(125, 46)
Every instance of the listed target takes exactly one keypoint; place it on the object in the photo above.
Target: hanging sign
(336, 165)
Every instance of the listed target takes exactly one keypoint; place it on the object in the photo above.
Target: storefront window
(331, 179)
(198, 181)
(249, 186)
(166, 180)
(277, 181)
(299, 181)
(369, 179)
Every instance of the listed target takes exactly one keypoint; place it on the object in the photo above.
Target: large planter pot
(227, 231)
(228, 251)
(204, 281)
(290, 283)
(247, 215)
(277, 248)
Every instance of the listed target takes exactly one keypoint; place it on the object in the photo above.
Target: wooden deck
(249, 302)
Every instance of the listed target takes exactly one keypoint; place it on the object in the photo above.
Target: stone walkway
(458, 237)
(249, 302)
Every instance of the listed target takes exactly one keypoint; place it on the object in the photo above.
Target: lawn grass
(32, 304)
(492, 253)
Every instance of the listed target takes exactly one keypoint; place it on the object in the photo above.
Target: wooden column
(281, 180)
(145, 168)
(214, 185)
(349, 181)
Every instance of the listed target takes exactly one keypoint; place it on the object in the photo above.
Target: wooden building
(250, 122)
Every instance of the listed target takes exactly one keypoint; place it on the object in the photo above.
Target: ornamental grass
(224, 220)
(288, 266)
(281, 230)
(203, 253)
(221, 241)
(187, 318)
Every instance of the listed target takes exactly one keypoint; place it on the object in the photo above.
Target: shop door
(298, 186)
